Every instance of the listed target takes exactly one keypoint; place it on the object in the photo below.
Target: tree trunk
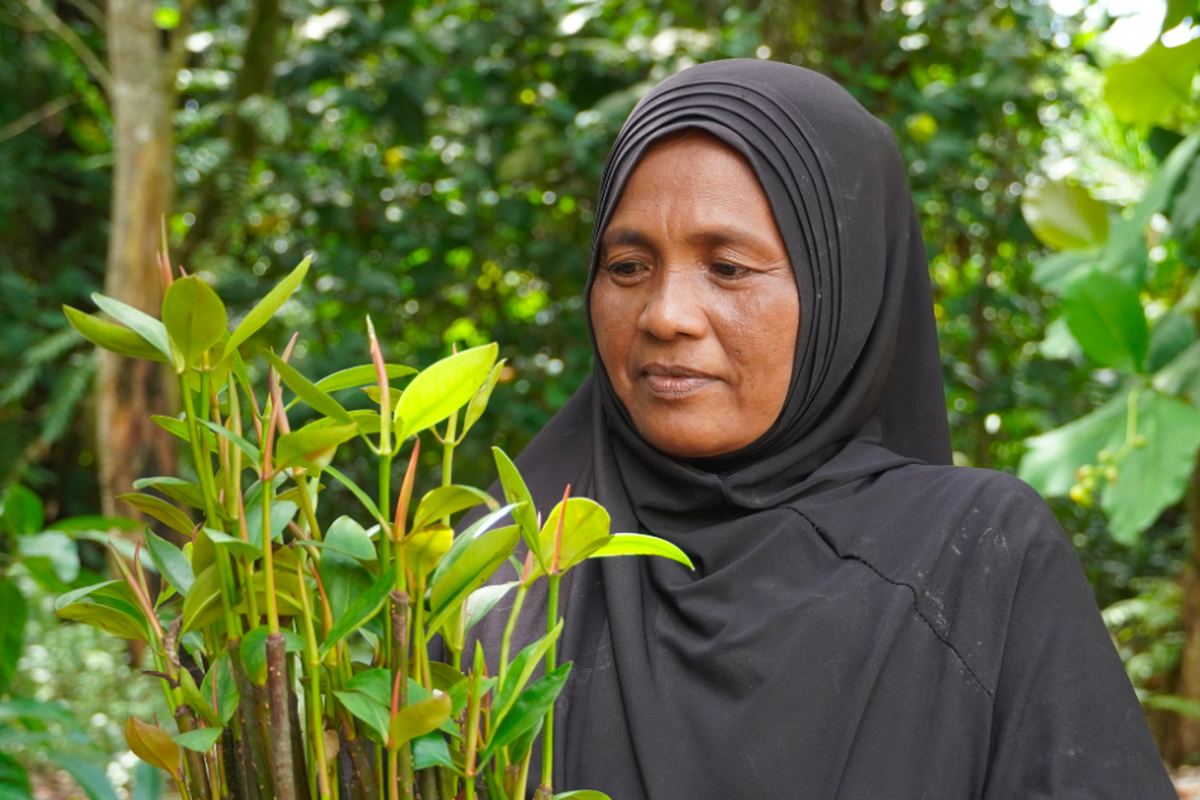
(1179, 736)
(129, 444)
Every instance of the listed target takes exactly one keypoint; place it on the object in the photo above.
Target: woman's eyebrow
(717, 235)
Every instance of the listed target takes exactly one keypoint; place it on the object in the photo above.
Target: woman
(864, 620)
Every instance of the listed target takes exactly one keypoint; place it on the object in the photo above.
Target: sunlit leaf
(1106, 318)
(312, 447)
(515, 491)
(419, 719)
(425, 548)
(114, 338)
(639, 544)
(194, 317)
(1064, 215)
(443, 388)
(140, 322)
(447, 500)
(307, 391)
(1143, 90)
(266, 308)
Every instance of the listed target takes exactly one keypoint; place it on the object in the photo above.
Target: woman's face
(694, 306)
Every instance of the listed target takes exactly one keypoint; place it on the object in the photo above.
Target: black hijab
(817, 648)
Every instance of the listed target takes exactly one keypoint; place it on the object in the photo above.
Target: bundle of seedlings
(295, 658)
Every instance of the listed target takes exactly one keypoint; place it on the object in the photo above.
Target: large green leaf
(479, 400)
(118, 623)
(425, 548)
(585, 528)
(140, 322)
(161, 510)
(221, 673)
(520, 671)
(639, 544)
(362, 375)
(431, 750)
(1106, 318)
(113, 338)
(366, 606)
(348, 537)
(419, 718)
(473, 565)
(177, 489)
(172, 564)
(1051, 460)
(483, 600)
(1154, 475)
(12, 631)
(58, 551)
(463, 540)
(443, 388)
(345, 580)
(1147, 88)
(203, 602)
(254, 650)
(21, 511)
(194, 317)
(447, 500)
(369, 710)
(266, 308)
(1064, 216)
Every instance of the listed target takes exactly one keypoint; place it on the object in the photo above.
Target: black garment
(863, 621)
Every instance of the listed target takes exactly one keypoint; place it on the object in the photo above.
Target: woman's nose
(674, 308)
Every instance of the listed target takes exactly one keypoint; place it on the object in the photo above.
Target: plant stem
(316, 725)
(509, 628)
(402, 781)
(281, 722)
(197, 775)
(551, 659)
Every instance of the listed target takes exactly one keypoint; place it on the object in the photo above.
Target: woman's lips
(673, 382)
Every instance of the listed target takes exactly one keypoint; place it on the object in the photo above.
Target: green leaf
(362, 375)
(529, 708)
(172, 564)
(1054, 271)
(21, 511)
(483, 600)
(1185, 214)
(199, 702)
(105, 618)
(443, 388)
(113, 338)
(140, 322)
(1154, 475)
(431, 750)
(14, 781)
(307, 391)
(424, 549)
(59, 551)
(362, 496)
(227, 695)
(361, 610)
(375, 684)
(1064, 216)
(515, 491)
(1172, 334)
(474, 565)
(236, 547)
(161, 510)
(254, 650)
(585, 528)
(194, 318)
(479, 400)
(312, 447)
(1105, 316)
(447, 500)
(345, 580)
(177, 489)
(463, 540)
(1177, 11)
(201, 740)
(242, 443)
(88, 775)
(639, 544)
(1145, 89)
(266, 308)
(148, 782)
(34, 714)
(371, 712)
(520, 671)
(282, 512)
(349, 538)
(419, 719)
(1051, 460)
(203, 602)
(178, 427)
(12, 631)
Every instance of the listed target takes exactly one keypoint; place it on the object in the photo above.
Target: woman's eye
(729, 270)
(623, 268)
